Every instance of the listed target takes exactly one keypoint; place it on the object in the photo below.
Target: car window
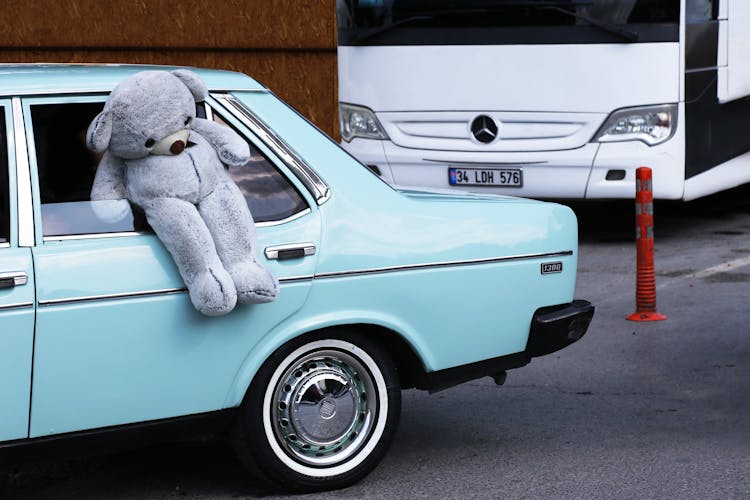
(4, 183)
(66, 170)
(268, 193)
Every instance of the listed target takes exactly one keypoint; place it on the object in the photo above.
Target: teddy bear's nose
(177, 147)
(173, 144)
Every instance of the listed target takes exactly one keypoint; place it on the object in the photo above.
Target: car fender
(297, 326)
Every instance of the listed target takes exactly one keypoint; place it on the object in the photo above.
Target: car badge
(484, 129)
(552, 267)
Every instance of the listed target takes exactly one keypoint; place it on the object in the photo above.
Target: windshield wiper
(555, 5)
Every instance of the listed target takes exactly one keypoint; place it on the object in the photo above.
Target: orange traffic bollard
(645, 287)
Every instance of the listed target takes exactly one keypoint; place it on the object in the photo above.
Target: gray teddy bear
(158, 155)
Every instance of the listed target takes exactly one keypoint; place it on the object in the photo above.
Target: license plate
(505, 177)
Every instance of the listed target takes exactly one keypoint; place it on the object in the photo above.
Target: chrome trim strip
(253, 90)
(272, 223)
(462, 162)
(312, 181)
(295, 279)
(129, 295)
(137, 295)
(438, 265)
(209, 112)
(19, 278)
(26, 236)
(4, 245)
(20, 305)
(272, 252)
(292, 279)
(47, 92)
(93, 236)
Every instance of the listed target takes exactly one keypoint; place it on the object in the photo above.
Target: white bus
(545, 98)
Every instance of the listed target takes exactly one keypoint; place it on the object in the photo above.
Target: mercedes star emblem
(484, 129)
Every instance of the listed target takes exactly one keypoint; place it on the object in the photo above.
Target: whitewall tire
(320, 413)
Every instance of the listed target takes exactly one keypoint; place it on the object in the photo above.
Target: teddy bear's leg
(233, 230)
(180, 227)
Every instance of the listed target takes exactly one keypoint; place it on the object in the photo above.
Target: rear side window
(4, 183)
(268, 193)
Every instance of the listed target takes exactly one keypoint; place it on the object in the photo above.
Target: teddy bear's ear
(193, 83)
(99, 132)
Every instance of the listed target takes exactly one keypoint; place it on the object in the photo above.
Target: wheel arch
(409, 364)
(412, 362)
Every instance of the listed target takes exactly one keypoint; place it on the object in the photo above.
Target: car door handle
(291, 251)
(12, 279)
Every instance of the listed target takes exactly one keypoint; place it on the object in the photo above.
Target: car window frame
(10, 146)
(27, 102)
(24, 106)
(213, 106)
(25, 228)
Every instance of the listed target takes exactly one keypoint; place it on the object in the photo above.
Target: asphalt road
(633, 410)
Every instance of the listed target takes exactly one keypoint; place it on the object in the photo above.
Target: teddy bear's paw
(213, 292)
(111, 211)
(255, 285)
(234, 155)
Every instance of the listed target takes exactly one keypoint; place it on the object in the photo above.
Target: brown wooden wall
(288, 45)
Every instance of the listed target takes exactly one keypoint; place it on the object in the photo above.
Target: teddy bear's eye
(188, 120)
(150, 142)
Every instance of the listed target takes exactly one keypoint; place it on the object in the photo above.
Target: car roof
(33, 79)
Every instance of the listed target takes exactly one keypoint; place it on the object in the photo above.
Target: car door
(117, 339)
(16, 291)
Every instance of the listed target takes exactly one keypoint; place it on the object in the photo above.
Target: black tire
(320, 413)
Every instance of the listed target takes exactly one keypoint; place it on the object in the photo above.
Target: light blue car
(381, 290)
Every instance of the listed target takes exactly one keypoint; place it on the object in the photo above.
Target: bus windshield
(496, 22)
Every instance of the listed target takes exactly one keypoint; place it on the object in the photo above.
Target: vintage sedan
(381, 290)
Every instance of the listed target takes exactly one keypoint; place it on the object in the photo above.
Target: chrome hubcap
(323, 407)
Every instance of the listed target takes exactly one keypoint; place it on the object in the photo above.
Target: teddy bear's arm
(232, 149)
(109, 182)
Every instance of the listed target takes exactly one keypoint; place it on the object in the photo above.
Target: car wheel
(320, 413)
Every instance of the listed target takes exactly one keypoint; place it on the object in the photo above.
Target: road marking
(722, 268)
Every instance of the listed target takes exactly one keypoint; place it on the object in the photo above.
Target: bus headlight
(358, 121)
(650, 124)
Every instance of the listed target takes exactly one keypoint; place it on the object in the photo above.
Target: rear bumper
(556, 327)
(552, 328)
